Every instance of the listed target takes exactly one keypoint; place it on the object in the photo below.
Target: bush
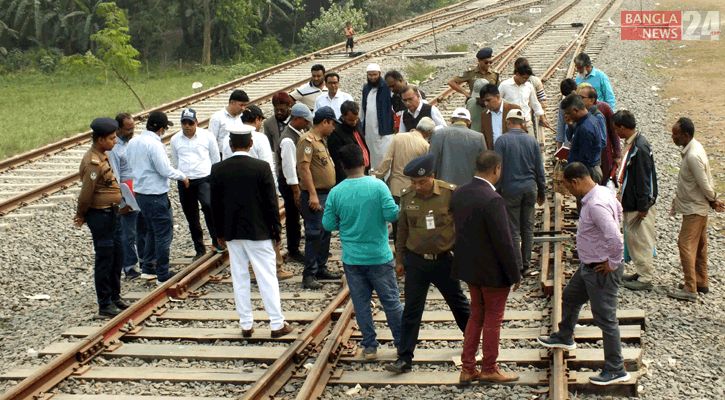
(329, 27)
(419, 71)
(457, 48)
(45, 60)
(269, 51)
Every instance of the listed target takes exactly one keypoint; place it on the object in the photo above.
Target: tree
(329, 27)
(114, 51)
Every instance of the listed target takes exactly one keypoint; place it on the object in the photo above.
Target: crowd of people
(460, 198)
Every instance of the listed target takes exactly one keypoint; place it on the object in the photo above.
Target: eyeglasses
(187, 122)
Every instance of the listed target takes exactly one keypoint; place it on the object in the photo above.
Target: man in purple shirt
(598, 278)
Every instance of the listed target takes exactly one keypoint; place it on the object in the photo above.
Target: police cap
(104, 126)
(420, 166)
(484, 53)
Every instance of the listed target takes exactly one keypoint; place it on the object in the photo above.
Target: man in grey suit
(456, 148)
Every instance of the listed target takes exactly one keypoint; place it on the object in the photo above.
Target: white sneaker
(148, 277)
(160, 283)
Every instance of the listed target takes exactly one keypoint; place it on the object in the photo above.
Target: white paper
(128, 197)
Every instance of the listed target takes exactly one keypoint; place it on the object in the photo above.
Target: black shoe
(326, 274)
(309, 282)
(700, 289)
(554, 341)
(296, 256)
(399, 366)
(132, 274)
(630, 277)
(121, 303)
(109, 311)
(199, 254)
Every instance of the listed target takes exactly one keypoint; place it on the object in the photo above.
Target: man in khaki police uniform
(471, 75)
(98, 204)
(423, 249)
(317, 176)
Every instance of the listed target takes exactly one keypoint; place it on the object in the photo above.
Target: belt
(113, 209)
(319, 191)
(432, 257)
(592, 265)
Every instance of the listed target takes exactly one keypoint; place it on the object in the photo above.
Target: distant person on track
(476, 106)
(694, 197)
(348, 130)
(288, 180)
(129, 218)
(455, 148)
(310, 91)
(417, 109)
(638, 196)
(493, 120)
(483, 70)
(522, 184)
(151, 173)
(360, 207)
(227, 118)
(334, 97)
(597, 280)
(567, 87)
(484, 259)
(98, 204)
(518, 90)
(349, 34)
(377, 118)
(193, 151)
(396, 83)
(246, 216)
(586, 143)
(317, 176)
(612, 150)
(596, 78)
(423, 253)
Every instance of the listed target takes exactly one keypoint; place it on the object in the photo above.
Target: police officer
(482, 71)
(98, 204)
(317, 176)
(424, 251)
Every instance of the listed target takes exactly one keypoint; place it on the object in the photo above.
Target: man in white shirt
(334, 97)
(227, 118)
(417, 109)
(518, 90)
(310, 91)
(193, 151)
(151, 173)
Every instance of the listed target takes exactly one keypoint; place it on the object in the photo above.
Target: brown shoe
(467, 377)
(497, 376)
(247, 332)
(282, 331)
(282, 274)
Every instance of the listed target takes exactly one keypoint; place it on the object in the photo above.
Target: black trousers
(419, 274)
(198, 192)
(105, 226)
(292, 219)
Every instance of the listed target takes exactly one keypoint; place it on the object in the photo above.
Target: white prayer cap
(373, 67)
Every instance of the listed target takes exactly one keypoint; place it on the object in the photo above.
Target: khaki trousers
(641, 242)
(693, 251)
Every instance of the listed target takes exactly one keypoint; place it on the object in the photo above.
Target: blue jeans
(146, 245)
(317, 239)
(128, 240)
(362, 280)
(159, 218)
(106, 232)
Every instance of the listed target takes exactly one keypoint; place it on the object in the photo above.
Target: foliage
(421, 6)
(44, 60)
(383, 13)
(329, 27)
(239, 20)
(419, 71)
(458, 47)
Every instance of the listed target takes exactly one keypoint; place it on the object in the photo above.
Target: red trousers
(487, 308)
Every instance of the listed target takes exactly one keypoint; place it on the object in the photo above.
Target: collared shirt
(523, 96)
(695, 187)
(600, 81)
(260, 150)
(99, 186)
(308, 93)
(150, 163)
(220, 124)
(489, 183)
(312, 149)
(473, 74)
(598, 238)
(522, 165)
(585, 142)
(194, 156)
(435, 114)
(496, 122)
(334, 103)
(623, 166)
(288, 149)
(119, 161)
(370, 115)
(405, 147)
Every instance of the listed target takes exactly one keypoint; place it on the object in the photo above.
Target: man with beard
(273, 127)
(310, 91)
(348, 130)
(377, 115)
(596, 78)
(396, 84)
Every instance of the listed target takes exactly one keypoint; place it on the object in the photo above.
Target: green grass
(457, 48)
(38, 109)
(419, 71)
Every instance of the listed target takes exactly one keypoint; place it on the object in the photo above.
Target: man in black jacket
(246, 216)
(638, 180)
(484, 258)
(348, 130)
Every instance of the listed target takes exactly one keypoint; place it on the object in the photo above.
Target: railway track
(39, 173)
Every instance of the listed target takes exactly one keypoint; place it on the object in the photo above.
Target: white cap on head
(516, 114)
(373, 67)
(461, 113)
(241, 130)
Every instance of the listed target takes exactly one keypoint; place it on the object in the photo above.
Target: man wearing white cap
(378, 115)
(455, 148)
(522, 183)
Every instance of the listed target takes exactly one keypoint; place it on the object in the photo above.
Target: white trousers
(262, 257)
(378, 146)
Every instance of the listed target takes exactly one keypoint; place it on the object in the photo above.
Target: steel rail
(580, 47)
(300, 350)
(52, 187)
(558, 384)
